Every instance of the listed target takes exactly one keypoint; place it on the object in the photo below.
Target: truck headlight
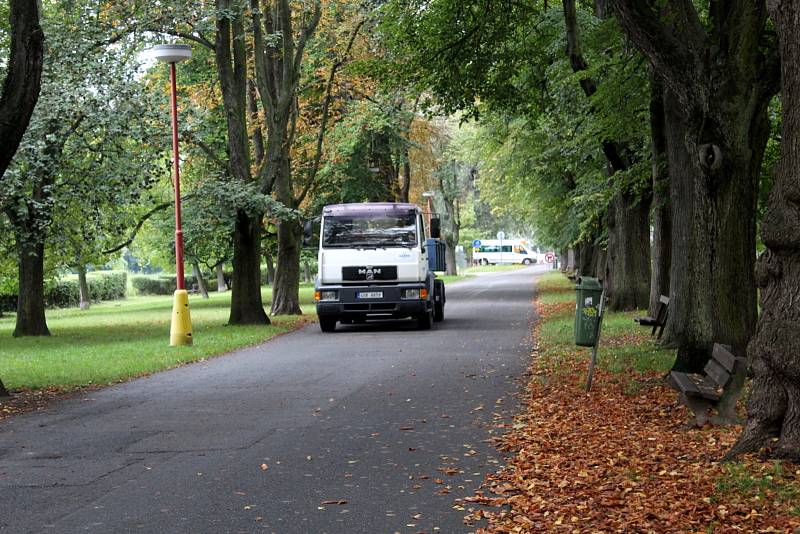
(411, 293)
(328, 295)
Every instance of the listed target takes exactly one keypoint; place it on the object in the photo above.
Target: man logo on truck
(369, 272)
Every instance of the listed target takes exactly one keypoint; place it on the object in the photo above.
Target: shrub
(152, 285)
(102, 286)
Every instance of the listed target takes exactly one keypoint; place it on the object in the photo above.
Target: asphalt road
(374, 428)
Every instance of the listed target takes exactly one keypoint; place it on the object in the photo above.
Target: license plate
(370, 295)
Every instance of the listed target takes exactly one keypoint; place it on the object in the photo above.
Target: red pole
(177, 182)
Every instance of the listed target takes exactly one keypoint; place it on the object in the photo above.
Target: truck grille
(369, 273)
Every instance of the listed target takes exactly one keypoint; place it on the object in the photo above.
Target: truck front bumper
(391, 303)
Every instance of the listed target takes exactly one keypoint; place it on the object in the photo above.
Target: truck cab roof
(370, 208)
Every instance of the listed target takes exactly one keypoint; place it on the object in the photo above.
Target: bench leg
(700, 408)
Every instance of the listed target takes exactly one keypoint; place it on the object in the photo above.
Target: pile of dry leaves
(612, 461)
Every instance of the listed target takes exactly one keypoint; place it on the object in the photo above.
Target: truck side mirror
(311, 233)
(436, 228)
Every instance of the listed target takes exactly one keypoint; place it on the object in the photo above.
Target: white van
(505, 252)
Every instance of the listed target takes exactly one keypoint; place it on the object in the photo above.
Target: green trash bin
(587, 310)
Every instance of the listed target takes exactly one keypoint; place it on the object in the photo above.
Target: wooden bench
(660, 320)
(700, 392)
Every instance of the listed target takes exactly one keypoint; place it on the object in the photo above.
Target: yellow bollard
(181, 331)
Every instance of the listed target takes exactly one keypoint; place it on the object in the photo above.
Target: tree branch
(325, 107)
(145, 217)
(674, 52)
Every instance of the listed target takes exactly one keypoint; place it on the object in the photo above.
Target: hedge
(165, 284)
(65, 293)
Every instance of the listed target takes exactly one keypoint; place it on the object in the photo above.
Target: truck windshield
(368, 230)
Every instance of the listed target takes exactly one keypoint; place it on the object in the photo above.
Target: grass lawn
(117, 340)
(450, 278)
(624, 345)
(492, 268)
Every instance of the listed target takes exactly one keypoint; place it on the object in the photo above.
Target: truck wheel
(425, 320)
(327, 323)
(526, 261)
(438, 302)
(484, 261)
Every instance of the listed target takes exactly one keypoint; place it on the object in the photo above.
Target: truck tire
(526, 261)
(484, 261)
(425, 320)
(327, 323)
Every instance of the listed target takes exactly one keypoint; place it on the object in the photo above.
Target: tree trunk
(571, 259)
(599, 262)
(450, 258)
(586, 254)
(661, 250)
(628, 264)
(712, 292)
(405, 185)
(221, 285)
(201, 283)
(270, 268)
(85, 300)
(380, 158)
(246, 304)
(286, 292)
(3, 391)
(773, 408)
(23, 75)
(30, 304)
(720, 80)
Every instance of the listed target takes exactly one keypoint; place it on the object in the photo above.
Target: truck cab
(376, 261)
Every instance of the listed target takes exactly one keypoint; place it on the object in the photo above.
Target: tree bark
(201, 283)
(23, 77)
(30, 304)
(85, 300)
(628, 263)
(599, 262)
(405, 185)
(3, 391)
(586, 255)
(661, 251)
(719, 83)
(773, 408)
(450, 257)
(270, 268)
(246, 304)
(712, 291)
(221, 285)
(286, 291)
(231, 62)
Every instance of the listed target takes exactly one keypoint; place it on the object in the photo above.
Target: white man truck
(377, 261)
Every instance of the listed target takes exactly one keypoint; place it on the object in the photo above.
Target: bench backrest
(721, 365)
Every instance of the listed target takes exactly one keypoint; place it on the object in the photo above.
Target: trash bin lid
(587, 282)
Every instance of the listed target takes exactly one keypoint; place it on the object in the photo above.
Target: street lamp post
(181, 329)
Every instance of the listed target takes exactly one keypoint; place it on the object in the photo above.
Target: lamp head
(171, 53)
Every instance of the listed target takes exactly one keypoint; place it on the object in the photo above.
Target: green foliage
(153, 285)
(65, 292)
(538, 145)
(166, 284)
